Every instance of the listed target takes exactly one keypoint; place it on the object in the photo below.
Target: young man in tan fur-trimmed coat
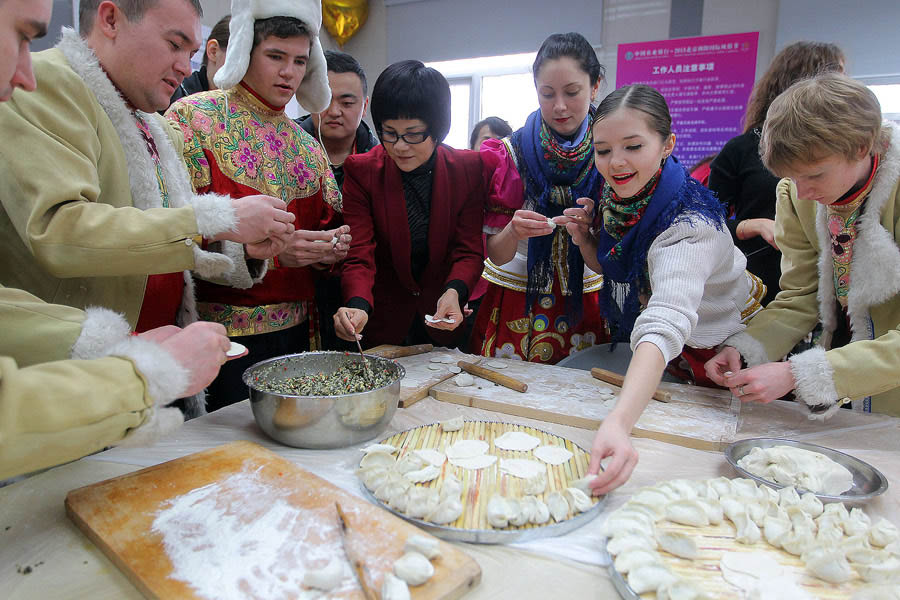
(837, 226)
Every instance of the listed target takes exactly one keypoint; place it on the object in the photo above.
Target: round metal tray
(868, 481)
(494, 536)
(617, 579)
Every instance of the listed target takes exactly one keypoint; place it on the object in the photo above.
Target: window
(889, 97)
(493, 86)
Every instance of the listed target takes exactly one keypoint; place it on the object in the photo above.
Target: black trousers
(228, 387)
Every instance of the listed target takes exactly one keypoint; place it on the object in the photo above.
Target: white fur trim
(875, 266)
(166, 379)
(314, 94)
(101, 329)
(210, 265)
(215, 214)
(162, 421)
(750, 349)
(814, 377)
(239, 277)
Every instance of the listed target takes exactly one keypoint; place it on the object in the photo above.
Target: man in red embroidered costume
(97, 209)
(239, 141)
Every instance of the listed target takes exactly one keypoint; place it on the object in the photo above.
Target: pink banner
(705, 80)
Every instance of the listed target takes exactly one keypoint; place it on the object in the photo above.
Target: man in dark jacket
(213, 58)
(340, 128)
(342, 132)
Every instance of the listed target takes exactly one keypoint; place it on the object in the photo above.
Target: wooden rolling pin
(504, 380)
(400, 351)
(618, 380)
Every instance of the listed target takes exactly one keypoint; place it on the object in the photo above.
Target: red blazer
(377, 268)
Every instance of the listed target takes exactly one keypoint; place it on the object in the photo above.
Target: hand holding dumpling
(447, 309)
(577, 221)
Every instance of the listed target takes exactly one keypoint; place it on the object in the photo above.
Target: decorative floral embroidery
(254, 320)
(270, 152)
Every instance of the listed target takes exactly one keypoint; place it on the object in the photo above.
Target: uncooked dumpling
(325, 578)
(500, 511)
(536, 485)
(811, 505)
(687, 488)
(883, 532)
(394, 484)
(413, 568)
(394, 588)
(680, 589)
(558, 506)
(554, 455)
(635, 558)
(432, 457)
(652, 497)
(454, 424)
(829, 534)
(788, 496)
(429, 547)
(373, 477)
(747, 531)
(630, 541)
(467, 449)
(836, 508)
(517, 441)
(857, 523)
(649, 578)
(678, 543)
(451, 487)
(426, 473)
(584, 484)
(519, 514)
(541, 514)
(713, 509)
(578, 500)
(474, 463)
(721, 485)
(624, 520)
(522, 468)
(657, 511)
(377, 458)
(447, 511)
(774, 528)
(828, 564)
(421, 501)
(379, 448)
(687, 512)
(409, 462)
(797, 542)
(741, 486)
(886, 570)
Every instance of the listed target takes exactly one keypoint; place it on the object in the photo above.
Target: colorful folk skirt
(503, 328)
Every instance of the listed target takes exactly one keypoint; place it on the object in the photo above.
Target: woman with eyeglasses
(541, 303)
(415, 207)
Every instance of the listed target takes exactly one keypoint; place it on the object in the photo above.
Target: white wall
(867, 31)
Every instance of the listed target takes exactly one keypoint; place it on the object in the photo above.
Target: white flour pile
(239, 538)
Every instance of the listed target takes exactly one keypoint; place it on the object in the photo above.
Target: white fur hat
(313, 94)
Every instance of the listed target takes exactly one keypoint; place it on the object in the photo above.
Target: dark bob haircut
(497, 126)
(341, 62)
(572, 45)
(410, 90)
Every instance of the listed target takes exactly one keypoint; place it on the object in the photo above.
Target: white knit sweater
(699, 288)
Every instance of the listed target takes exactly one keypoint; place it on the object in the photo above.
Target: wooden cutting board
(697, 417)
(419, 377)
(225, 496)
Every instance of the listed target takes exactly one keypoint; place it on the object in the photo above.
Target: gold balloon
(343, 18)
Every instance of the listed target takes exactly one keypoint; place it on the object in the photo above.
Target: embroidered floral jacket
(236, 144)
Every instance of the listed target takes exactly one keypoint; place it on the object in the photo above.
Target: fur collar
(875, 266)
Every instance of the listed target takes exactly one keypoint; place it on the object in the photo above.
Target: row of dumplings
(799, 524)
(394, 482)
(503, 512)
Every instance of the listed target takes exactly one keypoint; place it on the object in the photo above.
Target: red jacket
(377, 267)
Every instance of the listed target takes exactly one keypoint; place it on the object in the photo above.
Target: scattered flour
(240, 538)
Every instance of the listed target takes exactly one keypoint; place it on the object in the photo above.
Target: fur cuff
(166, 379)
(815, 380)
(195, 406)
(751, 350)
(239, 277)
(102, 328)
(211, 265)
(215, 214)
(161, 422)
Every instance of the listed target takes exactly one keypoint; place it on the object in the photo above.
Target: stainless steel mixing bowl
(321, 421)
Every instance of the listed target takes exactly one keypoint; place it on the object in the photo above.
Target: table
(35, 532)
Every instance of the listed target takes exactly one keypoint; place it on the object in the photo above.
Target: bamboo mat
(480, 485)
(715, 540)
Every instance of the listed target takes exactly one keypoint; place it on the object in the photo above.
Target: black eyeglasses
(412, 137)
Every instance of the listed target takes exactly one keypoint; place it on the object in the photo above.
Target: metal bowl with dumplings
(321, 421)
(868, 481)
